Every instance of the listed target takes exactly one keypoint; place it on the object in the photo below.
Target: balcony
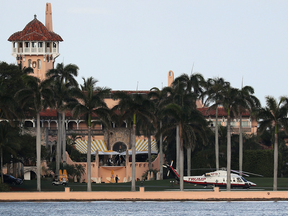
(34, 50)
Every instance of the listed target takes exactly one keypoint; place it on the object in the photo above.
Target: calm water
(145, 208)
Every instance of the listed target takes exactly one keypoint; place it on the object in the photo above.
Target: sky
(133, 44)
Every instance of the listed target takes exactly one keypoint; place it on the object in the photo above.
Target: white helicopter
(217, 178)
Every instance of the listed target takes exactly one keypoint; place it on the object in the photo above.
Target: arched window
(29, 63)
(119, 147)
(38, 64)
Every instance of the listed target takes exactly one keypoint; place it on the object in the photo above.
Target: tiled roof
(205, 111)
(221, 112)
(35, 31)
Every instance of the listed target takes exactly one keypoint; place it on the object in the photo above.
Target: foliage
(3, 187)
(72, 170)
(259, 162)
(75, 155)
(145, 174)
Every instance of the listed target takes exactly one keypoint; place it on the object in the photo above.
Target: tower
(170, 78)
(37, 46)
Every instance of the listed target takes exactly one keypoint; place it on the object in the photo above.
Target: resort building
(37, 46)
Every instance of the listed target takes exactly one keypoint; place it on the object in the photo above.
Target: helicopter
(217, 178)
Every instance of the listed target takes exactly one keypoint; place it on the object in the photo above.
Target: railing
(236, 129)
(77, 131)
(39, 50)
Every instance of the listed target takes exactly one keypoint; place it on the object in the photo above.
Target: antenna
(242, 83)
(162, 84)
(137, 86)
(192, 68)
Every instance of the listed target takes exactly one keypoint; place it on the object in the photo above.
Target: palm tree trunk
(181, 159)
(189, 161)
(216, 141)
(58, 147)
(89, 160)
(177, 148)
(63, 139)
(38, 150)
(228, 153)
(149, 150)
(240, 146)
(133, 188)
(275, 162)
(161, 153)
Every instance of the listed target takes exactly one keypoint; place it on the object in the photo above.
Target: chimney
(48, 18)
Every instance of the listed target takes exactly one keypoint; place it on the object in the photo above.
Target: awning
(81, 146)
(141, 146)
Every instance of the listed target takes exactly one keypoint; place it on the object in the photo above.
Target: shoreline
(141, 195)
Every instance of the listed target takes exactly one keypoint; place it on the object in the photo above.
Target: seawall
(141, 195)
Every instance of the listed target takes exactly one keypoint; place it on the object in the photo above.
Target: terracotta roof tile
(35, 31)
(221, 112)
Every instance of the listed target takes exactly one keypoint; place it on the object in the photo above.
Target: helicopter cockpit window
(244, 179)
(239, 180)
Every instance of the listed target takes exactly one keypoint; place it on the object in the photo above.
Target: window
(38, 64)
(29, 63)
(40, 44)
(27, 44)
(245, 123)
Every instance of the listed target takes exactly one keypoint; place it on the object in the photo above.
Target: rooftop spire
(48, 18)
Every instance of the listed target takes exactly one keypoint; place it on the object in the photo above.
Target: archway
(119, 147)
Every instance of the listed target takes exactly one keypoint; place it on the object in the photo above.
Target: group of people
(118, 160)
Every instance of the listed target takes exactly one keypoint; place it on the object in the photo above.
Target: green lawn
(262, 184)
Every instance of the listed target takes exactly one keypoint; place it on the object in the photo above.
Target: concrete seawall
(141, 195)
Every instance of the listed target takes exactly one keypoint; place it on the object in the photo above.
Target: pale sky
(122, 42)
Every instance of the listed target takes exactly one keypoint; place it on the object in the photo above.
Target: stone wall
(117, 135)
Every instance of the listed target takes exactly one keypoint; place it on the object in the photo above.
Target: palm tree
(8, 141)
(230, 104)
(159, 98)
(10, 82)
(90, 103)
(214, 88)
(132, 105)
(193, 84)
(190, 122)
(146, 127)
(62, 79)
(65, 74)
(37, 96)
(274, 115)
(247, 101)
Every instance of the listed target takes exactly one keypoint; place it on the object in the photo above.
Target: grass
(166, 184)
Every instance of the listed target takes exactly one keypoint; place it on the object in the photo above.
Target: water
(144, 208)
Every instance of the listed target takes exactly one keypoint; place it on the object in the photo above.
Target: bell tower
(37, 46)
